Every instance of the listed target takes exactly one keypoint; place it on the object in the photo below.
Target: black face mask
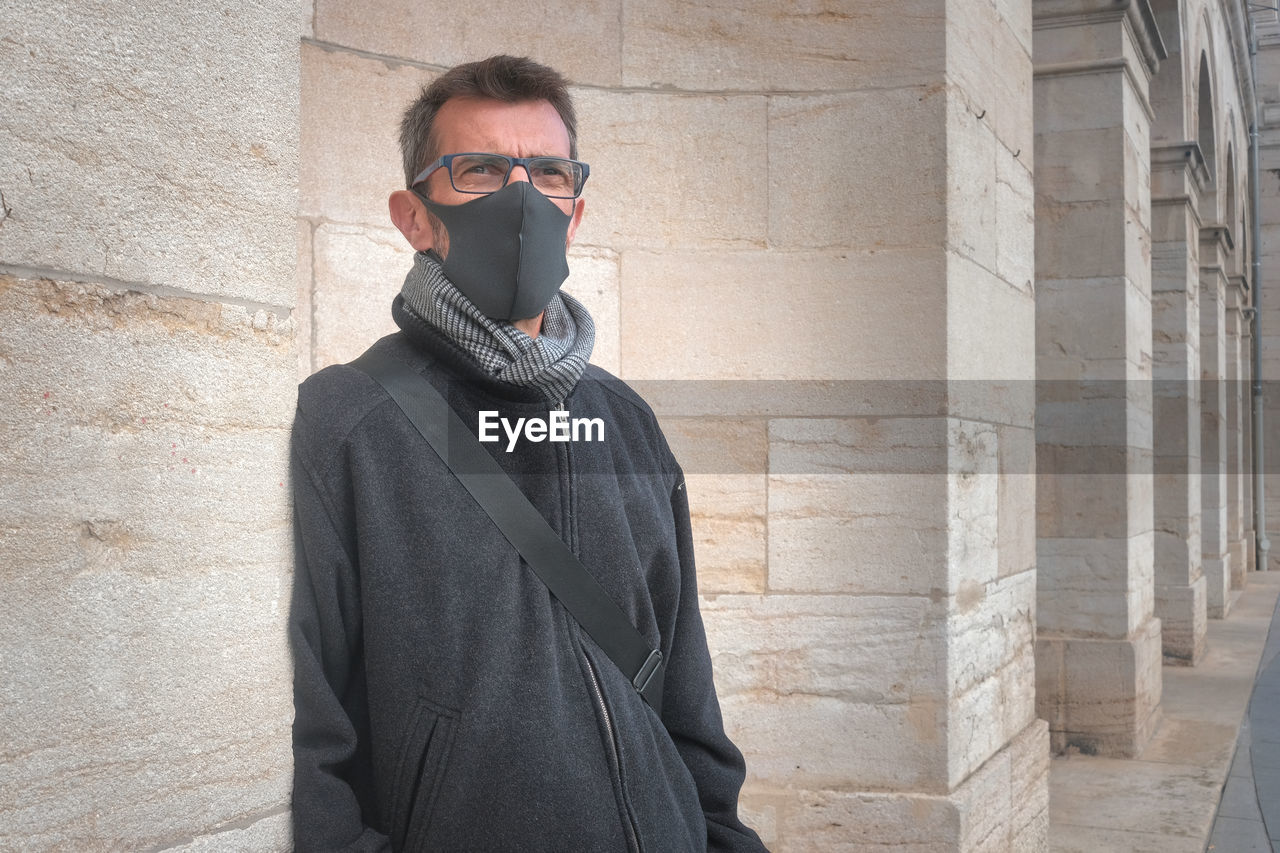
(506, 250)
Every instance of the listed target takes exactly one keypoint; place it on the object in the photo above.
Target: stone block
(972, 204)
(358, 272)
(831, 299)
(1217, 578)
(1001, 807)
(872, 445)
(1182, 611)
(1137, 181)
(1029, 787)
(710, 151)
(725, 464)
(991, 671)
(583, 42)
(1016, 531)
(863, 533)
(1080, 320)
(1137, 254)
(1175, 328)
(1239, 561)
(1137, 124)
(898, 746)
(1081, 165)
(1097, 224)
(594, 278)
(1007, 796)
(1083, 506)
(862, 170)
(865, 650)
(1177, 528)
(146, 559)
(1015, 219)
(302, 312)
(972, 505)
(991, 354)
(350, 153)
(730, 532)
(818, 821)
(988, 627)
(1016, 15)
(857, 505)
(991, 68)
(149, 155)
(756, 45)
(1084, 585)
(1072, 102)
(1100, 697)
(271, 832)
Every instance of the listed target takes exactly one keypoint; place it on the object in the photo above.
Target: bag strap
(521, 523)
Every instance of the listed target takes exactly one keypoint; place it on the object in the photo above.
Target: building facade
(947, 309)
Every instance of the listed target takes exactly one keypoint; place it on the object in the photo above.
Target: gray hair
(500, 78)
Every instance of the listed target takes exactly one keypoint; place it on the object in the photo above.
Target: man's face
(522, 129)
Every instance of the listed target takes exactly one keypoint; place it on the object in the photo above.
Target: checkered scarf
(553, 362)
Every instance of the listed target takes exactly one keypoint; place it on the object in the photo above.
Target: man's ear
(579, 205)
(411, 217)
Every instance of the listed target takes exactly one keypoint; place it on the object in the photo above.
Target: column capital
(1215, 245)
(1137, 14)
(1237, 293)
(1179, 175)
(1187, 156)
(1216, 238)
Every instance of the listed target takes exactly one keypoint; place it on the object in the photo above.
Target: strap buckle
(647, 670)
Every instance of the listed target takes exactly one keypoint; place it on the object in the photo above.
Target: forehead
(520, 129)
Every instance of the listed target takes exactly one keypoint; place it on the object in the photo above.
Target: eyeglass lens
(486, 173)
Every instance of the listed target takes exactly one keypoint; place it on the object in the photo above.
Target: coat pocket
(420, 772)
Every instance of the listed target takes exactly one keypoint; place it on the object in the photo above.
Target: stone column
(1177, 176)
(1215, 243)
(1237, 406)
(1098, 648)
(148, 164)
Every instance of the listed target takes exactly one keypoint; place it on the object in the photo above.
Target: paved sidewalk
(1248, 819)
(1165, 800)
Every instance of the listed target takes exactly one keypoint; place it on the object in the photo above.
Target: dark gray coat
(444, 699)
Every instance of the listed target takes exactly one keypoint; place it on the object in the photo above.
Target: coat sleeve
(331, 790)
(691, 711)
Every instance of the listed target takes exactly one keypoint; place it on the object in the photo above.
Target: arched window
(1230, 215)
(1204, 108)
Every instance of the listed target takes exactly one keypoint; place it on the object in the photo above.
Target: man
(445, 699)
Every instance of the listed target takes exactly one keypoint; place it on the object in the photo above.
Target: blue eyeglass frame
(447, 161)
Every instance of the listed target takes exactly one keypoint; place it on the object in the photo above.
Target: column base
(1100, 696)
(1002, 806)
(1183, 616)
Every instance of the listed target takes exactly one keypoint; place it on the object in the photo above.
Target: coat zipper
(633, 835)
(633, 840)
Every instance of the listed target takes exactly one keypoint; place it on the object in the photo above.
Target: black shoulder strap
(522, 524)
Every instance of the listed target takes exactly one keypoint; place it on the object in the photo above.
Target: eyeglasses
(479, 174)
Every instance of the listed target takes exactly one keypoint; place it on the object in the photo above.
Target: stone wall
(148, 186)
(808, 241)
